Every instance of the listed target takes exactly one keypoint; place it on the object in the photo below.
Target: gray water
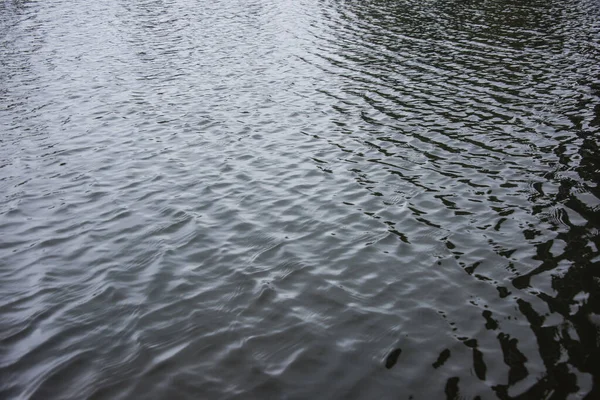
(272, 199)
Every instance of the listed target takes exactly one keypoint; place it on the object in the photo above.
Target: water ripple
(320, 198)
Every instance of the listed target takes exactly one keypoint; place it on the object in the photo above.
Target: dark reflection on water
(271, 199)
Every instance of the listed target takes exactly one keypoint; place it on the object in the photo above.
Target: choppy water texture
(271, 199)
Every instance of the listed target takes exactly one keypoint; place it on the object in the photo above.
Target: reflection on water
(323, 198)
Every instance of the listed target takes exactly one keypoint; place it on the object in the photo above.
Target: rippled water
(299, 199)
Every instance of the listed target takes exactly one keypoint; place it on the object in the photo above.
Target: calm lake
(312, 199)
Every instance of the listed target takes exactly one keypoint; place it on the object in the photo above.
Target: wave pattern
(320, 198)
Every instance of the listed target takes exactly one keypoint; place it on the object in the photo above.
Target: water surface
(270, 199)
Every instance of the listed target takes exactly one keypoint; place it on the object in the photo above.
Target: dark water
(272, 199)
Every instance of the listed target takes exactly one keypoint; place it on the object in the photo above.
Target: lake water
(271, 199)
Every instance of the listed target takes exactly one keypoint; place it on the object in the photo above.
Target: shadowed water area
(270, 199)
